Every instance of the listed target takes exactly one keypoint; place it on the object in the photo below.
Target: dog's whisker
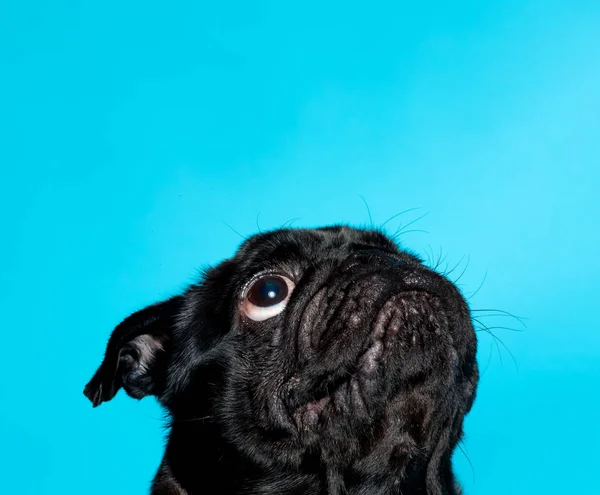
(439, 261)
(289, 223)
(404, 232)
(495, 343)
(447, 273)
(510, 329)
(472, 295)
(244, 238)
(464, 270)
(403, 228)
(489, 360)
(399, 214)
(257, 224)
(441, 258)
(460, 446)
(500, 313)
(429, 257)
(497, 339)
(368, 211)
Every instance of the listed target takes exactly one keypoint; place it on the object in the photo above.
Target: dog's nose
(401, 273)
(373, 257)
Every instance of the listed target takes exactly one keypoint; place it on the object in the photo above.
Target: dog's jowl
(314, 361)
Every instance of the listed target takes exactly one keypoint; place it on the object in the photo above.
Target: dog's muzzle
(354, 331)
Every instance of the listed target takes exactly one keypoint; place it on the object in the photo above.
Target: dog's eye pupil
(268, 291)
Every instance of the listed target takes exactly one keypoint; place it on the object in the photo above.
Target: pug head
(330, 352)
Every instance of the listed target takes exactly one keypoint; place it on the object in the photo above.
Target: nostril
(424, 279)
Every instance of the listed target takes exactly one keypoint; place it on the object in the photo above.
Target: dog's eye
(267, 297)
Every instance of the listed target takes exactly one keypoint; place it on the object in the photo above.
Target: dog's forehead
(312, 243)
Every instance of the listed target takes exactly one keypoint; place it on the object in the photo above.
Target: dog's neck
(192, 464)
(199, 455)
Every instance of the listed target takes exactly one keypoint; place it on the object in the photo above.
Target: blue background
(130, 132)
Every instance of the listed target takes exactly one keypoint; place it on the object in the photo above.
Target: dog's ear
(136, 354)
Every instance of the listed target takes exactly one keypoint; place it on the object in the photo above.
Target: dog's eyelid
(293, 277)
(269, 299)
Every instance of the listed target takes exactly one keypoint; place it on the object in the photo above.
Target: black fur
(360, 386)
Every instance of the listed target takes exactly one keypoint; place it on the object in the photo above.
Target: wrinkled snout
(364, 326)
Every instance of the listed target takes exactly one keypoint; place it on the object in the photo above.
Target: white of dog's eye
(267, 297)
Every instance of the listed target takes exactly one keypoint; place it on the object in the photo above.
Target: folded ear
(136, 353)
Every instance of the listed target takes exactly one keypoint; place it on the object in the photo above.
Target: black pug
(314, 361)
